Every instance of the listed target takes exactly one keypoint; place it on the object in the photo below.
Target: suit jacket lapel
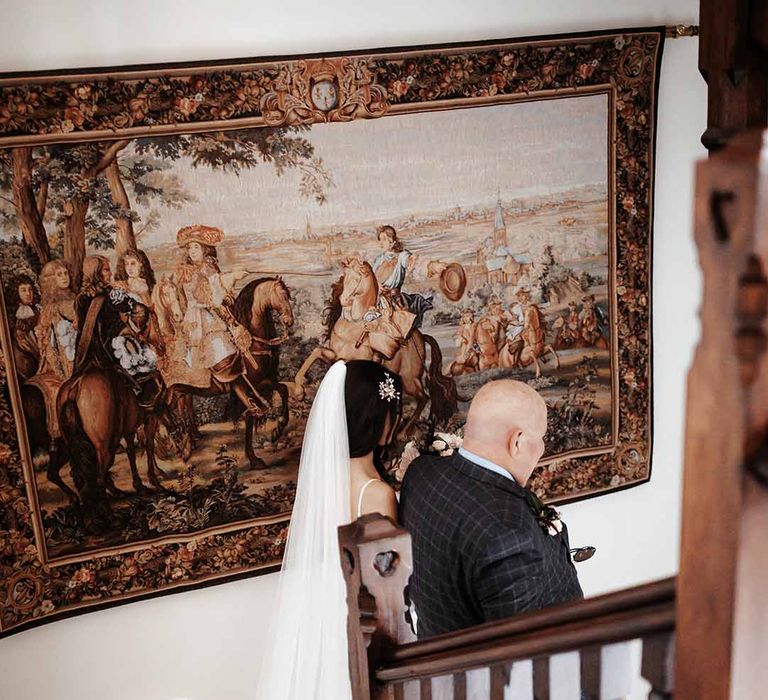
(475, 471)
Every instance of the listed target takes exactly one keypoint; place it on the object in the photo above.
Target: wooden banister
(723, 598)
(376, 559)
(377, 563)
(658, 592)
(596, 631)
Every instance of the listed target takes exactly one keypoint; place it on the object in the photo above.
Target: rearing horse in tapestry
(361, 325)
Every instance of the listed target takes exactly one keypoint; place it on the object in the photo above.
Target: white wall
(205, 645)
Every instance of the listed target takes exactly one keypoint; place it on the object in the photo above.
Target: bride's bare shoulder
(380, 497)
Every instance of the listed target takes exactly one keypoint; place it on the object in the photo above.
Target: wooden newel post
(377, 563)
(733, 47)
(722, 614)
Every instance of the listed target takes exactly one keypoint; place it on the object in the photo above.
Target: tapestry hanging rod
(680, 30)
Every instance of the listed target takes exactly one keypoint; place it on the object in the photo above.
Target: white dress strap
(360, 499)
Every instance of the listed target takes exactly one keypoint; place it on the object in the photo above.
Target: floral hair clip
(387, 389)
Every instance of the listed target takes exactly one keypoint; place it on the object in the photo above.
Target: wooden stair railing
(377, 564)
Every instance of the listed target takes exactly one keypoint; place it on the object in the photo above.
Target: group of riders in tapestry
(517, 336)
(111, 322)
(127, 350)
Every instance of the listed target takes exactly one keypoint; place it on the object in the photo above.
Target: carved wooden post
(722, 602)
(377, 564)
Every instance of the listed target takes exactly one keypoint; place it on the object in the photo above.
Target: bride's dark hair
(367, 409)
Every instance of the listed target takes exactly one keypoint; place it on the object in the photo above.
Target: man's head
(97, 275)
(523, 296)
(506, 424)
(388, 239)
(26, 291)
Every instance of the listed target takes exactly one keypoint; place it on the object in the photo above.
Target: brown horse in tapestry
(97, 411)
(489, 333)
(360, 326)
(254, 309)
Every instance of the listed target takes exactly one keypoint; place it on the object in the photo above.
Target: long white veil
(306, 653)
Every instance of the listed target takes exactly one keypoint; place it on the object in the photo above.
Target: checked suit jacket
(479, 553)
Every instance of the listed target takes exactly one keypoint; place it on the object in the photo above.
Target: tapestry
(185, 249)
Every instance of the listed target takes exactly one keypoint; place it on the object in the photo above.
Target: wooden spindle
(541, 678)
(591, 662)
(658, 666)
(499, 680)
(459, 686)
(425, 689)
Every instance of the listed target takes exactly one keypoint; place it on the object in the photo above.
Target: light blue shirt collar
(485, 463)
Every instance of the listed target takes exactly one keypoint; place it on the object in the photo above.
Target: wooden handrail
(635, 613)
(658, 592)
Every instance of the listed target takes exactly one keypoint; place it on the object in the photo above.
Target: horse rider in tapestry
(391, 267)
(217, 346)
(113, 333)
(56, 335)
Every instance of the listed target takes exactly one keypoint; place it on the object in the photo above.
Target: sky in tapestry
(415, 164)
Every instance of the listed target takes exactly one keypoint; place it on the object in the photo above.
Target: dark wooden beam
(733, 50)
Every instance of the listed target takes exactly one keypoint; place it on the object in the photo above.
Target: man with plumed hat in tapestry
(216, 344)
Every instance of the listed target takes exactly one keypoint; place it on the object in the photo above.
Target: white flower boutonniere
(555, 526)
(432, 443)
(546, 515)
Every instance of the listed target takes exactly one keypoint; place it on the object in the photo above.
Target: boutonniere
(545, 515)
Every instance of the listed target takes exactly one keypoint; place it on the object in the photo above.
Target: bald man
(479, 553)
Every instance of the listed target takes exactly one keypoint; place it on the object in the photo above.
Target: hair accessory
(387, 389)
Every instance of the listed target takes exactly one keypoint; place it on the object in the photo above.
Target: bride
(354, 417)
